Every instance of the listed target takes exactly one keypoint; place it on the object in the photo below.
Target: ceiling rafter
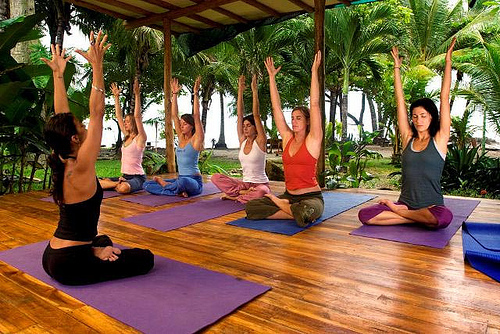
(174, 14)
(262, 7)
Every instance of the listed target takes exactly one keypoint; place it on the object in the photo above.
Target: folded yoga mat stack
(481, 246)
(416, 234)
(174, 297)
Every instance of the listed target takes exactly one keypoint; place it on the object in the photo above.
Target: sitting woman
(75, 254)
(425, 141)
(133, 175)
(302, 200)
(252, 137)
(190, 133)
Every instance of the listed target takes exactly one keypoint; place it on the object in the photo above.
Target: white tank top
(253, 164)
(132, 159)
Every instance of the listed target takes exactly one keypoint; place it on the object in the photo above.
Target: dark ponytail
(58, 132)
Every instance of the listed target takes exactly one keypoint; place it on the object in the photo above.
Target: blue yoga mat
(335, 203)
(481, 246)
(174, 297)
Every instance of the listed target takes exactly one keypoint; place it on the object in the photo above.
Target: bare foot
(392, 206)
(226, 196)
(246, 191)
(160, 181)
(183, 194)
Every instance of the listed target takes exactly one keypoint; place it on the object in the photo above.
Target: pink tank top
(132, 159)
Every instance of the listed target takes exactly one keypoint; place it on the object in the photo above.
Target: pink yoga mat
(157, 200)
(419, 235)
(180, 216)
(174, 297)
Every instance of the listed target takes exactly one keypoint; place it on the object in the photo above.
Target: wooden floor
(323, 280)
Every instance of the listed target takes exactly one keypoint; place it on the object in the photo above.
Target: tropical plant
(347, 161)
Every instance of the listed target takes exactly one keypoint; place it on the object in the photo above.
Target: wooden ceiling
(195, 16)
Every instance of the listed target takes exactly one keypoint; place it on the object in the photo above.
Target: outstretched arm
(118, 108)
(199, 135)
(403, 124)
(261, 133)
(58, 65)
(315, 136)
(91, 146)
(240, 108)
(175, 89)
(283, 128)
(141, 135)
(443, 134)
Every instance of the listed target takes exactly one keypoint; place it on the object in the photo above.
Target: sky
(78, 40)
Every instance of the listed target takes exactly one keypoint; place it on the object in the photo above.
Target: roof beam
(262, 7)
(302, 5)
(176, 13)
(196, 17)
(227, 13)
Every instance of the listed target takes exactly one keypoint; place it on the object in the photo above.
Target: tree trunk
(205, 103)
(222, 140)
(373, 114)
(343, 116)
(362, 114)
(33, 170)
(17, 8)
(334, 95)
(4, 15)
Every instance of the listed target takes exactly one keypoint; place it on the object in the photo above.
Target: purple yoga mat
(106, 194)
(174, 297)
(157, 200)
(418, 235)
(180, 216)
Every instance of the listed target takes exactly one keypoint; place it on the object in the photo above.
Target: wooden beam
(319, 45)
(227, 13)
(262, 7)
(169, 6)
(98, 9)
(174, 14)
(167, 75)
(302, 5)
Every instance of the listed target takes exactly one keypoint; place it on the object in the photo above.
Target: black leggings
(77, 265)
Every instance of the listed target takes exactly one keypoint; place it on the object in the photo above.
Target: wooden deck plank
(322, 279)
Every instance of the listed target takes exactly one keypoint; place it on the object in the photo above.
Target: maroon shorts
(443, 214)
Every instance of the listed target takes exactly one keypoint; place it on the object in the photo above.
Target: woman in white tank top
(252, 155)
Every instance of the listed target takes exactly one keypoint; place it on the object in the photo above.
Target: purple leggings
(443, 214)
(232, 187)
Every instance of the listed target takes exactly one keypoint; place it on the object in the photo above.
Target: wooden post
(167, 75)
(319, 44)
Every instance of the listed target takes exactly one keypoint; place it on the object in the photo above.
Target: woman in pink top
(252, 137)
(133, 175)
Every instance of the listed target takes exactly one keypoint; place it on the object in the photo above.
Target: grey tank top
(421, 182)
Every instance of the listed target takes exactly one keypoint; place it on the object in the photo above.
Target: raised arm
(141, 133)
(199, 135)
(261, 133)
(240, 108)
(443, 135)
(58, 65)
(175, 89)
(90, 148)
(283, 128)
(118, 108)
(315, 136)
(403, 123)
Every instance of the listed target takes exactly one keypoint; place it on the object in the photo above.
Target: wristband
(98, 89)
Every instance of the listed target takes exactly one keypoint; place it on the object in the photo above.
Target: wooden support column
(319, 45)
(167, 75)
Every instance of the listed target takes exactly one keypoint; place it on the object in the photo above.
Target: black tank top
(78, 221)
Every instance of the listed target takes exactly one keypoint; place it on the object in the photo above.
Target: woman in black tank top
(424, 142)
(76, 255)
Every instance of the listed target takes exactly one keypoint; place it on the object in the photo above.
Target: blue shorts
(135, 181)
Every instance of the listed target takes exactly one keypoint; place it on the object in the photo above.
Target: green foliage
(206, 167)
(154, 163)
(466, 169)
(348, 162)
(461, 130)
